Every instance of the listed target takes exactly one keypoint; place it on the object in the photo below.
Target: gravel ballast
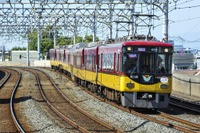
(41, 120)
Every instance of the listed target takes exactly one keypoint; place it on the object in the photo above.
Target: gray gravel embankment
(41, 121)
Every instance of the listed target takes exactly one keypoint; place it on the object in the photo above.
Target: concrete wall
(16, 56)
(36, 63)
(187, 84)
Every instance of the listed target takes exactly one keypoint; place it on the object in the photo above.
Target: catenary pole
(165, 21)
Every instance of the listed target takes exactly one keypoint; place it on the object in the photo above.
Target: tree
(47, 39)
(64, 40)
(89, 38)
(18, 48)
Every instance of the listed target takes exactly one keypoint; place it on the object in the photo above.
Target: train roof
(83, 45)
(146, 43)
(137, 43)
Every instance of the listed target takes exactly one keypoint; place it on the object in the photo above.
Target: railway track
(175, 123)
(186, 105)
(66, 109)
(9, 84)
(5, 78)
(185, 123)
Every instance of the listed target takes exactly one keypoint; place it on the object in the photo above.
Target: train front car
(147, 80)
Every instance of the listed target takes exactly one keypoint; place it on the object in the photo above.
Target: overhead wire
(178, 38)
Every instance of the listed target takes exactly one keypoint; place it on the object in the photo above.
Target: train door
(100, 56)
(116, 70)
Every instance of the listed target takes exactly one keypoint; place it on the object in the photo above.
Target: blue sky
(184, 23)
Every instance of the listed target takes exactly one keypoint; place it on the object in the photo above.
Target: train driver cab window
(146, 63)
(160, 63)
(130, 63)
(163, 64)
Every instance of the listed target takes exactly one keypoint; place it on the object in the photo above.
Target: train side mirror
(20, 56)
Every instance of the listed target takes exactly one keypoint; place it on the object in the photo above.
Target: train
(134, 73)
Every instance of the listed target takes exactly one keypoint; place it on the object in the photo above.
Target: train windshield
(140, 62)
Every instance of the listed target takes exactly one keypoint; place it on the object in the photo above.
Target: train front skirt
(145, 100)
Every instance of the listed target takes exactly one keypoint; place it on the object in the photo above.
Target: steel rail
(167, 124)
(82, 129)
(187, 108)
(15, 120)
(81, 110)
(5, 79)
(185, 104)
(179, 120)
(152, 119)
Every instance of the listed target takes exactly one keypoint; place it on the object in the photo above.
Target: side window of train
(111, 62)
(78, 60)
(117, 62)
(94, 60)
(104, 62)
(98, 63)
(66, 58)
(89, 62)
(108, 62)
(101, 61)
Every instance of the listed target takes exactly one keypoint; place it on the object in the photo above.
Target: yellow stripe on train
(120, 83)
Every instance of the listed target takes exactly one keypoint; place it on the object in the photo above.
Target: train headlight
(164, 80)
(166, 50)
(128, 48)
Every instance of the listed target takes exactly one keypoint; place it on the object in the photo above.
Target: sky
(184, 25)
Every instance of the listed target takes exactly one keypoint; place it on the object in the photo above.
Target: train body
(134, 73)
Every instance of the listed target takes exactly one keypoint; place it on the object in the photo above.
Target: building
(21, 56)
(183, 58)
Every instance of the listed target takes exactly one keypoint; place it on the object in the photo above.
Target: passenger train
(136, 73)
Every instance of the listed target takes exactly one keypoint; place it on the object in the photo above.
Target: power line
(180, 39)
(175, 7)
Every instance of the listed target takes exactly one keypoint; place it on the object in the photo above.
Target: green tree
(63, 40)
(32, 37)
(47, 39)
(18, 48)
(89, 38)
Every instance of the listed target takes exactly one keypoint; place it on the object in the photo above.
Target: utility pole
(75, 29)
(131, 32)
(94, 26)
(28, 60)
(54, 37)
(165, 21)
(38, 40)
(38, 37)
(110, 19)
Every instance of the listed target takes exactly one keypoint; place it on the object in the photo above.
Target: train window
(94, 62)
(78, 60)
(89, 62)
(69, 58)
(98, 63)
(160, 67)
(163, 64)
(130, 63)
(117, 62)
(108, 62)
(64, 58)
(147, 63)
